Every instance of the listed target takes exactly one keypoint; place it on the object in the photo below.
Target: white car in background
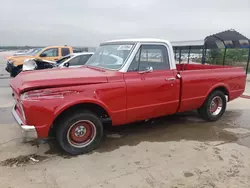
(73, 60)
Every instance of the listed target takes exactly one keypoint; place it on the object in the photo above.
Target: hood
(46, 78)
(21, 57)
(18, 60)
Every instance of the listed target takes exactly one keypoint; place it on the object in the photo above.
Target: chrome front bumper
(29, 130)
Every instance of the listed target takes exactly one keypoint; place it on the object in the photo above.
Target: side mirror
(43, 55)
(149, 69)
(66, 64)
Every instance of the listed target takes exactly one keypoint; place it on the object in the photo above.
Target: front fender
(67, 105)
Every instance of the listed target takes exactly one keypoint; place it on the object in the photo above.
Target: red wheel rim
(81, 133)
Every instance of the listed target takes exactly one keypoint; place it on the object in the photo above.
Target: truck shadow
(183, 126)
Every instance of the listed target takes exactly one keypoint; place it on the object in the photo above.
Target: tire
(208, 111)
(79, 133)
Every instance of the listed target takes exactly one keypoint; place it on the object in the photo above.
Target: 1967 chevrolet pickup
(124, 81)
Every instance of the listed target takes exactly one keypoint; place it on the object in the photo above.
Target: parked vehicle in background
(51, 53)
(21, 52)
(73, 60)
(143, 83)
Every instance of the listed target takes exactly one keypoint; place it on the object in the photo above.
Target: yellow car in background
(52, 53)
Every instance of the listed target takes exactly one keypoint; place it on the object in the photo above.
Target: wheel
(214, 106)
(79, 133)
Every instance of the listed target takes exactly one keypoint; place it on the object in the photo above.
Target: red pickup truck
(124, 81)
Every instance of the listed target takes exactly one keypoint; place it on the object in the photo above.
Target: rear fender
(219, 85)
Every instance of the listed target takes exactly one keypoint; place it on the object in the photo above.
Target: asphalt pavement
(6, 100)
(176, 151)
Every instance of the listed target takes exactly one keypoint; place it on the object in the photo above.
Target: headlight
(11, 61)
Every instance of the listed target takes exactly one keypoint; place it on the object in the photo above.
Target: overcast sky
(89, 22)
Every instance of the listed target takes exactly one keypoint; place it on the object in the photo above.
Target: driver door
(152, 88)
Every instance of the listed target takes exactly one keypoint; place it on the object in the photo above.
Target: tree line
(238, 56)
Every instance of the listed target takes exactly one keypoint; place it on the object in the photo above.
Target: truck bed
(197, 81)
(184, 67)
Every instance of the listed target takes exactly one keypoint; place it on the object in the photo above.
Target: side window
(52, 52)
(75, 61)
(65, 51)
(155, 56)
(84, 59)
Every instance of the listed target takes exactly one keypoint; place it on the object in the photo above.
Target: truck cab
(124, 81)
(52, 53)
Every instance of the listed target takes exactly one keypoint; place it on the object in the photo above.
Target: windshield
(110, 56)
(35, 51)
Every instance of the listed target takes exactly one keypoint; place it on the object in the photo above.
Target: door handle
(170, 79)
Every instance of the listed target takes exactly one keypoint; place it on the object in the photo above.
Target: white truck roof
(140, 40)
(144, 40)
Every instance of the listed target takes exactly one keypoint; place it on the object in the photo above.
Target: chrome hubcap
(80, 131)
(216, 105)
